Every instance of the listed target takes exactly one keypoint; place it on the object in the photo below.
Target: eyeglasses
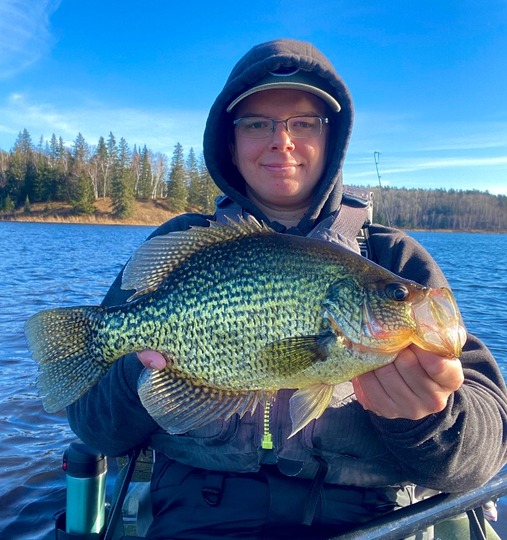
(298, 127)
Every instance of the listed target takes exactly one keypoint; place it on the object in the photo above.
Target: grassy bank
(148, 212)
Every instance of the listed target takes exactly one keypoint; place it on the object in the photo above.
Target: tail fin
(63, 342)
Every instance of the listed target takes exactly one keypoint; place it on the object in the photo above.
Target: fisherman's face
(280, 172)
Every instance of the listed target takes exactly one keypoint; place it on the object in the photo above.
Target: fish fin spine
(308, 404)
(180, 403)
(154, 260)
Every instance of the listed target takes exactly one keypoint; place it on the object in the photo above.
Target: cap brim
(327, 98)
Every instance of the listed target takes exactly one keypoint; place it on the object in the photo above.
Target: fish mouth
(435, 326)
(439, 327)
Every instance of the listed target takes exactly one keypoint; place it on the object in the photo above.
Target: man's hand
(416, 384)
(152, 359)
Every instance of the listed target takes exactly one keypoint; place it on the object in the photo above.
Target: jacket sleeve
(110, 416)
(464, 445)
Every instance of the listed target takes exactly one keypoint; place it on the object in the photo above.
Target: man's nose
(281, 136)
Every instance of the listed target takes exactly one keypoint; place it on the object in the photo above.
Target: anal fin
(308, 404)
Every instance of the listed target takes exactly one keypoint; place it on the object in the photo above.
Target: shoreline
(55, 220)
(146, 213)
(101, 220)
(149, 213)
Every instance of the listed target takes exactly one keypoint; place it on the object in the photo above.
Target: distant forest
(52, 172)
(460, 210)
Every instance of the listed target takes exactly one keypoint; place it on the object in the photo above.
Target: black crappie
(241, 312)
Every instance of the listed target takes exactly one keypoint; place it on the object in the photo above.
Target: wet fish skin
(241, 312)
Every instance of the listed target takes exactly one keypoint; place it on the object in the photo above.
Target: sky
(428, 78)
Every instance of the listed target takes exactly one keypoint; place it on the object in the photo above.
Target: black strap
(315, 490)
(354, 213)
(477, 524)
(114, 527)
(213, 487)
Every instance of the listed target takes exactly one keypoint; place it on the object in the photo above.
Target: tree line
(462, 210)
(82, 173)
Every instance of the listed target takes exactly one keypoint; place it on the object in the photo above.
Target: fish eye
(397, 291)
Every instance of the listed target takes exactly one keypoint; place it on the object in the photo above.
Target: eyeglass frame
(323, 120)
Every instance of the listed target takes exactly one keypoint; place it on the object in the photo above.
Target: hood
(252, 68)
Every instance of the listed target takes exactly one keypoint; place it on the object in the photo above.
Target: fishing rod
(376, 158)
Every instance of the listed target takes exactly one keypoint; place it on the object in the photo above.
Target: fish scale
(230, 300)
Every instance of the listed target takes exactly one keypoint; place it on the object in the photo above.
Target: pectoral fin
(308, 404)
(179, 403)
(294, 354)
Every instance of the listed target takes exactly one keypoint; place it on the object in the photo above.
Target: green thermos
(86, 489)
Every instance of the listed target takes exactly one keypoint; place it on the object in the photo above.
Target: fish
(240, 312)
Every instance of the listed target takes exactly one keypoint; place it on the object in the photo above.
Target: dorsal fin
(159, 256)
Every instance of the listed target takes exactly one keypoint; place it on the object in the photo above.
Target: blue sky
(428, 79)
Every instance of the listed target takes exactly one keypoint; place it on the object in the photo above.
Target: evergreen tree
(3, 167)
(41, 146)
(8, 205)
(122, 185)
(210, 190)
(20, 174)
(54, 153)
(78, 161)
(102, 165)
(145, 175)
(44, 178)
(83, 195)
(80, 174)
(84, 201)
(23, 143)
(61, 190)
(196, 190)
(81, 150)
(14, 177)
(32, 188)
(177, 191)
(112, 150)
(112, 157)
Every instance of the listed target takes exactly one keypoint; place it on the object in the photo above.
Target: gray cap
(295, 79)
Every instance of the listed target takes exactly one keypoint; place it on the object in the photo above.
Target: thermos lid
(81, 461)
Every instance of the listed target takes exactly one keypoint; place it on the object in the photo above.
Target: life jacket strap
(315, 491)
(213, 487)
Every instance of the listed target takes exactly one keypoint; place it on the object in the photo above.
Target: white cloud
(447, 163)
(160, 130)
(24, 33)
(400, 165)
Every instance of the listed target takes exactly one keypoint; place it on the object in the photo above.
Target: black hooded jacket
(256, 64)
(457, 449)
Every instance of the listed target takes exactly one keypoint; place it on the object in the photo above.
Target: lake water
(53, 265)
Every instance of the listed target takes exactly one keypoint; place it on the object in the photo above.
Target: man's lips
(280, 167)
